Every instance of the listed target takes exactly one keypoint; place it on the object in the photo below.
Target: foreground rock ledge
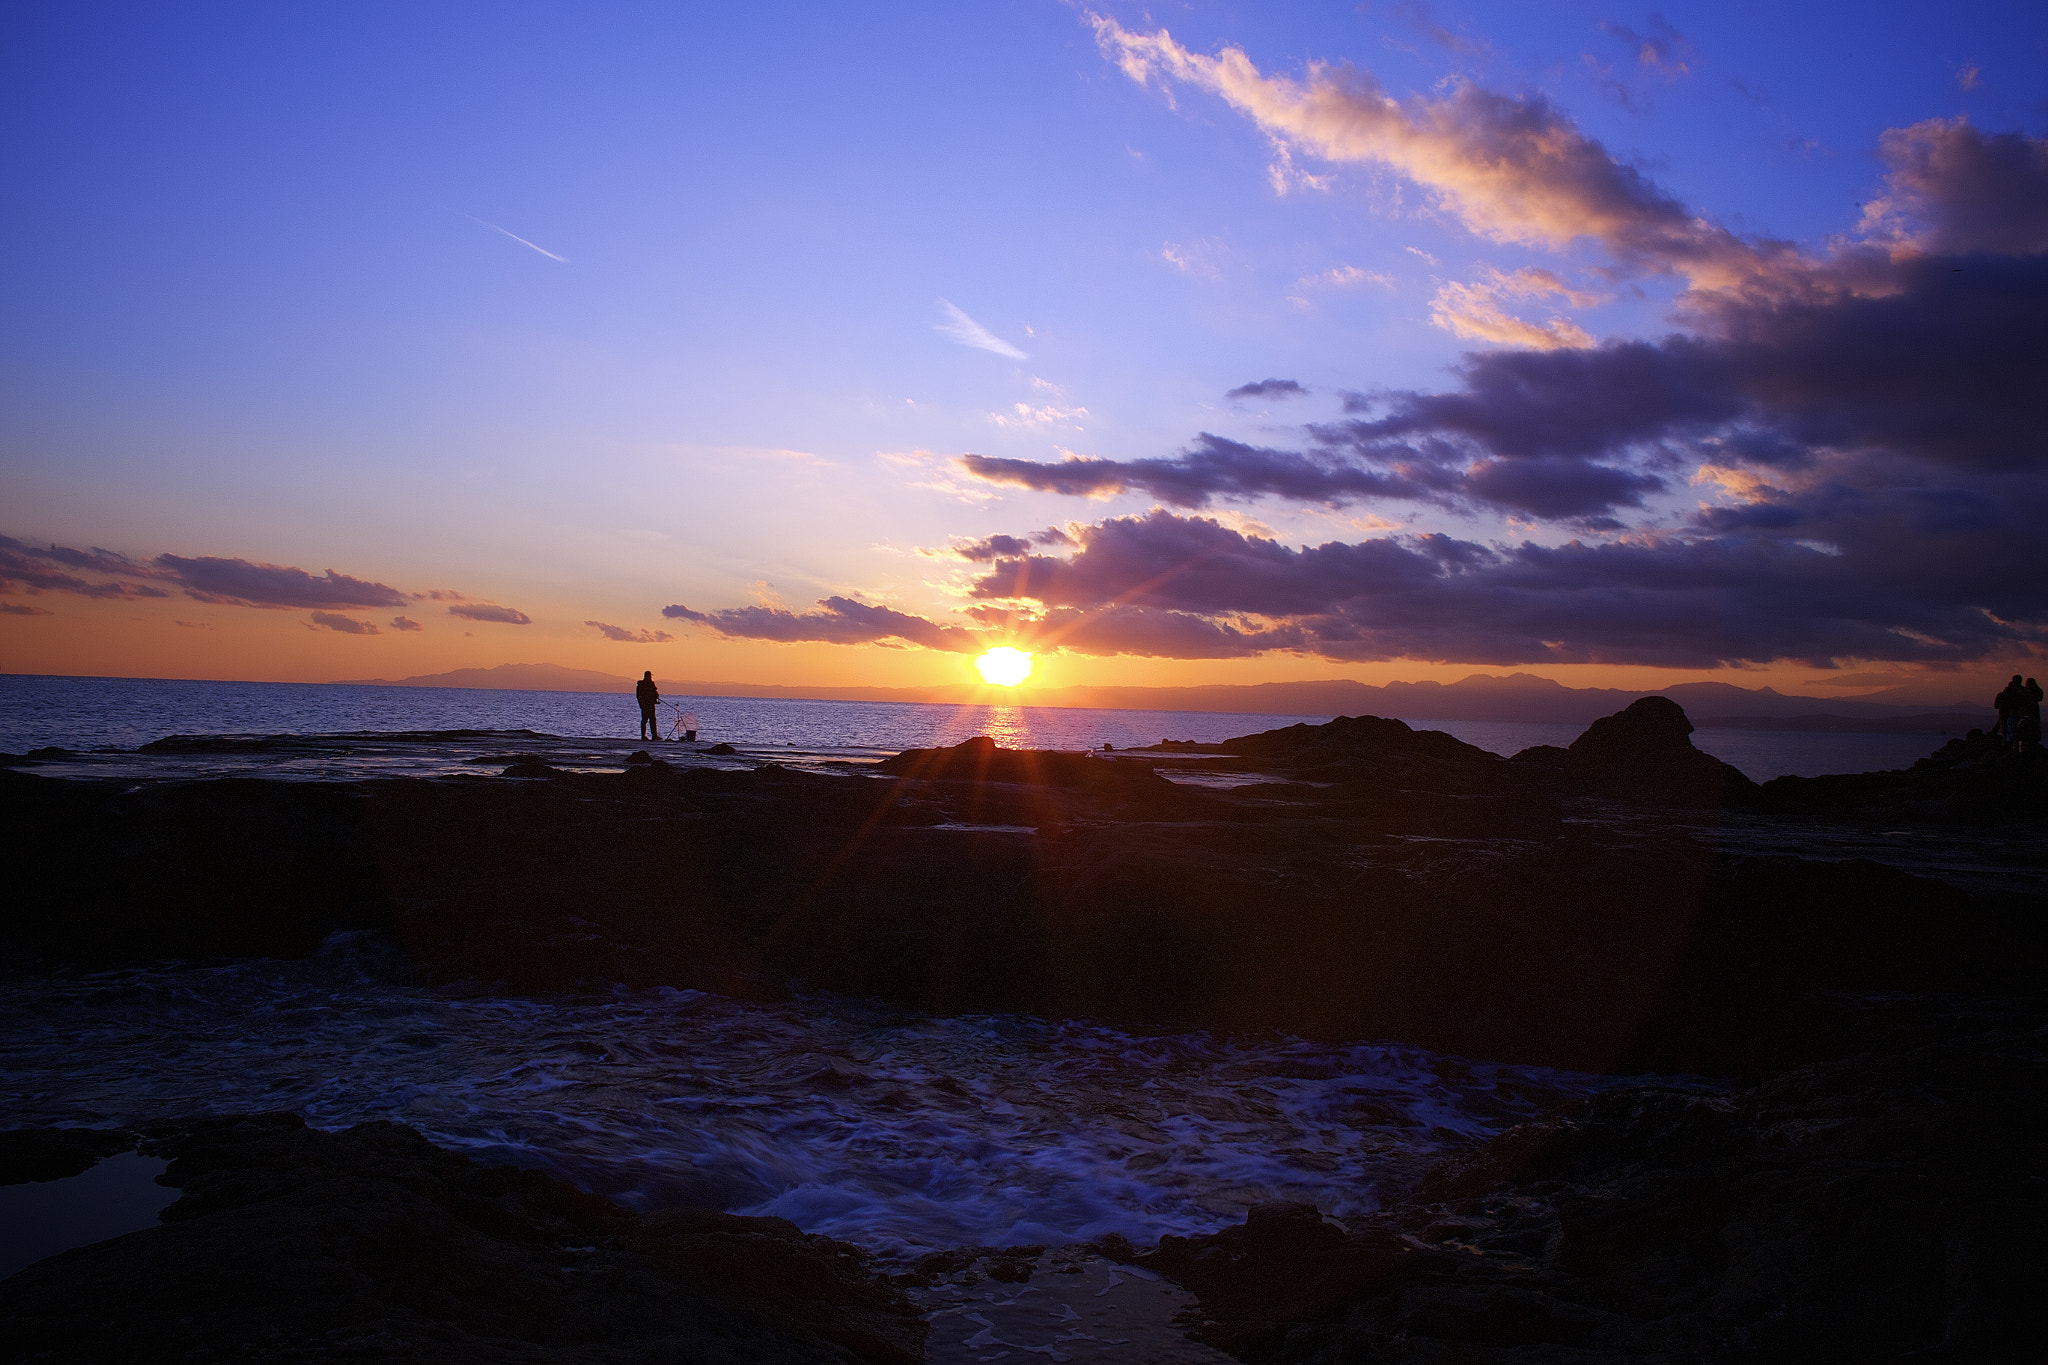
(1885, 1206)
(1577, 907)
(372, 1244)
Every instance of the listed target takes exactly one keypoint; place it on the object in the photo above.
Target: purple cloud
(485, 611)
(631, 637)
(1267, 388)
(239, 582)
(27, 566)
(405, 623)
(1677, 601)
(842, 621)
(1212, 468)
(347, 625)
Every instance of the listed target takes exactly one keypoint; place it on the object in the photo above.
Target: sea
(899, 1131)
(125, 713)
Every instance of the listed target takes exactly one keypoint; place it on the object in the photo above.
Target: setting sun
(1004, 666)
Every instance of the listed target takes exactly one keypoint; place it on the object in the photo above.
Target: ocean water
(124, 713)
(896, 1130)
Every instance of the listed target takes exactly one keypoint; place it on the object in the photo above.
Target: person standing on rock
(2012, 704)
(2027, 732)
(649, 696)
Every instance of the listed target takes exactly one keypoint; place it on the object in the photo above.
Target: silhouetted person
(649, 697)
(2012, 704)
(2029, 729)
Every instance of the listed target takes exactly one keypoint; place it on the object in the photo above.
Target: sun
(1004, 666)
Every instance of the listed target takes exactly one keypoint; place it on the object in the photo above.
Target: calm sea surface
(89, 713)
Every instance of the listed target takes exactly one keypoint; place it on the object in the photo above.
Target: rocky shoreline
(1601, 907)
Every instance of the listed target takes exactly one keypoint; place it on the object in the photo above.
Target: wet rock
(1975, 780)
(1388, 754)
(1886, 1205)
(1471, 921)
(981, 759)
(30, 1155)
(292, 1244)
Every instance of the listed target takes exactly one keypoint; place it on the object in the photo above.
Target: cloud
(485, 611)
(1870, 460)
(1189, 260)
(1418, 16)
(347, 625)
(1951, 189)
(1659, 46)
(40, 569)
(22, 609)
(968, 332)
(405, 623)
(1513, 169)
(1874, 464)
(1658, 49)
(1343, 277)
(1001, 546)
(842, 621)
(1147, 585)
(241, 582)
(631, 637)
(1024, 415)
(1268, 388)
(517, 238)
(1475, 311)
(1212, 467)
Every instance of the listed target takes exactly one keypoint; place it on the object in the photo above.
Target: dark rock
(639, 756)
(1883, 1206)
(981, 759)
(291, 1244)
(1475, 921)
(532, 770)
(30, 1155)
(721, 749)
(1975, 780)
(1645, 752)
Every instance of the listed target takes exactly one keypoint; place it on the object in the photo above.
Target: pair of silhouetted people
(2019, 714)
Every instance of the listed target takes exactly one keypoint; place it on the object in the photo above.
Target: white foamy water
(895, 1130)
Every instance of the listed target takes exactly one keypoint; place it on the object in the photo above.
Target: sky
(828, 344)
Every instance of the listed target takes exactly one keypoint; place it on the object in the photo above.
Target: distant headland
(1481, 697)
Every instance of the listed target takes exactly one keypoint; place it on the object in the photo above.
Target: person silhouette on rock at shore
(649, 696)
(2012, 704)
(2027, 731)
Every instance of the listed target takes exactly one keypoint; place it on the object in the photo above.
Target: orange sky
(178, 638)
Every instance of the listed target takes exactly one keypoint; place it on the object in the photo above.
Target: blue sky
(265, 300)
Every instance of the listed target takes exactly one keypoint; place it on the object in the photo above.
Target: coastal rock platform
(1838, 980)
(1630, 905)
(372, 1244)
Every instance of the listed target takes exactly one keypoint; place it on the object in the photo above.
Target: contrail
(968, 332)
(517, 238)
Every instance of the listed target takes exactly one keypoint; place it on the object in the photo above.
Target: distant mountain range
(1515, 697)
(511, 678)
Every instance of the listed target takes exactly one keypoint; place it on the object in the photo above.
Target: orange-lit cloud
(1511, 169)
